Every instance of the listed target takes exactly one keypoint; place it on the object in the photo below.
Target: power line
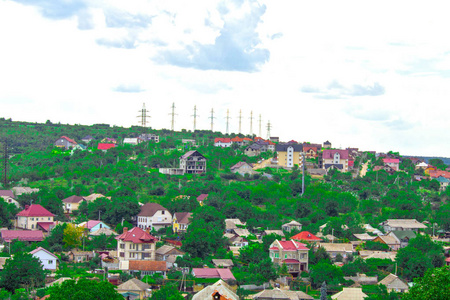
(269, 126)
(260, 125)
(195, 117)
(240, 120)
(251, 122)
(143, 116)
(228, 119)
(173, 115)
(212, 119)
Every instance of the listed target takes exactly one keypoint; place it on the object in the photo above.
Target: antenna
(173, 115)
(212, 119)
(143, 116)
(260, 125)
(195, 117)
(251, 122)
(269, 126)
(240, 119)
(228, 118)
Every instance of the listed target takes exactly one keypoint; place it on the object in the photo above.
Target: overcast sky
(373, 75)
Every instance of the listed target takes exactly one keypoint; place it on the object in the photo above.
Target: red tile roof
(91, 224)
(137, 236)
(73, 199)
(329, 153)
(68, 139)
(222, 140)
(223, 274)
(202, 197)
(305, 236)
(248, 139)
(351, 162)
(7, 193)
(102, 146)
(46, 226)
(237, 139)
(391, 160)
(22, 235)
(35, 210)
(292, 245)
(306, 148)
(439, 173)
(147, 265)
(291, 261)
(173, 242)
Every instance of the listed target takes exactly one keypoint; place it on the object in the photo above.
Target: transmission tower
(195, 117)
(240, 120)
(259, 125)
(143, 116)
(251, 122)
(228, 119)
(5, 163)
(173, 115)
(212, 119)
(269, 126)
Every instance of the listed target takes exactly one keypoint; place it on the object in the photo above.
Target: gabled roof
(73, 199)
(68, 139)
(391, 278)
(202, 197)
(222, 140)
(136, 236)
(387, 239)
(22, 235)
(147, 265)
(103, 146)
(276, 293)
(35, 210)
(404, 223)
(223, 274)
(92, 223)
(163, 250)
(337, 247)
(93, 197)
(240, 164)
(232, 223)
(401, 234)
(284, 147)
(292, 223)
(183, 217)
(221, 288)
(42, 249)
(305, 236)
(46, 226)
(191, 153)
(225, 263)
(7, 193)
(289, 245)
(134, 284)
(363, 236)
(439, 173)
(88, 137)
(149, 209)
(391, 160)
(350, 294)
(443, 179)
(329, 153)
(103, 230)
(237, 139)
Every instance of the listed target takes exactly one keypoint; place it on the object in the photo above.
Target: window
(32, 219)
(32, 226)
(163, 212)
(277, 255)
(285, 256)
(50, 262)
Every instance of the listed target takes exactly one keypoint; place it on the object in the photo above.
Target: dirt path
(363, 171)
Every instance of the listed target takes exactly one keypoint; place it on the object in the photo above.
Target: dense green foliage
(22, 271)
(84, 289)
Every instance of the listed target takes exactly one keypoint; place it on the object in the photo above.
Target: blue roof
(443, 179)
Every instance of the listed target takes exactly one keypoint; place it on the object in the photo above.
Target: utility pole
(212, 119)
(143, 116)
(260, 125)
(195, 117)
(303, 172)
(173, 116)
(269, 126)
(240, 119)
(5, 162)
(228, 119)
(251, 122)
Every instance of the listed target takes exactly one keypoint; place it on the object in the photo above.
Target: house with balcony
(394, 163)
(192, 162)
(292, 253)
(336, 159)
(35, 217)
(154, 216)
(136, 244)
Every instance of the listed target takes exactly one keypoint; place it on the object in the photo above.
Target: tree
(22, 270)
(84, 289)
(72, 236)
(325, 272)
(435, 285)
(167, 292)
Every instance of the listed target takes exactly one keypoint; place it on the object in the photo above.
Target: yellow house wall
(282, 159)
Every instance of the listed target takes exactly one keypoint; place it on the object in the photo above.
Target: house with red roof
(105, 147)
(144, 267)
(310, 151)
(93, 225)
(202, 198)
(237, 140)
(71, 203)
(292, 253)
(242, 168)
(223, 274)
(335, 159)
(65, 142)
(222, 142)
(35, 217)
(136, 244)
(306, 236)
(394, 163)
(435, 174)
(22, 235)
(48, 260)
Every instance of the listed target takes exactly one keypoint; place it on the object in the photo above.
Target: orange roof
(305, 236)
(237, 139)
(69, 139)
(147, 265)
(439, 173)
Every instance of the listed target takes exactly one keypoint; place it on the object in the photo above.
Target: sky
(368, 74)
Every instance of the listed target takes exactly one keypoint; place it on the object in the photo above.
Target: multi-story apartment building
(35, 217)
(289, 155)
(292, 253)
(155, 216)
(335, 158)
(136, 244)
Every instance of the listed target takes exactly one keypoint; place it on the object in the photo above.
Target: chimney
(148, 230)
(283, 239)
(125, 229)
(27, 207)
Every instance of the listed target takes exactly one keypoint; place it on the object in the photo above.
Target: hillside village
(201, 215)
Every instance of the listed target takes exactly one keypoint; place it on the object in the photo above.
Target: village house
(223, 263)
(443, 183)
(135, 287)
(293, 225)
(327, 145)
(306, 236)
(403, 236)
(334, 249)
(292, 253)
(8, 197)
(77, 256)
(108, 140)
(48, 260)
(93, 225)
(65, 142)
(242, 168)
(232, 224)
(19, 190)
(222, 142)
(72, 203)
(193, 163)
(105, 147)
(144, 267)
(391, 241)
(168, 254)
(181, 221)
(310, 151)
(131, 141)
(350, 293)
(394, 163)
(219, 290)
(334, 158)
(238, 141)
(402, 224)
(289, 155)
(224, 274)
(394, 284)
(136, 244)
(35, 217)
(29, 236)
(253, 150)
(146, 137)
(103, 230)
(278, 294)
(201, 198)
(154, 216)
(87, 139)
(387, 168)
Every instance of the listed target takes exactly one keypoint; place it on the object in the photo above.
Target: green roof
(401, 234)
